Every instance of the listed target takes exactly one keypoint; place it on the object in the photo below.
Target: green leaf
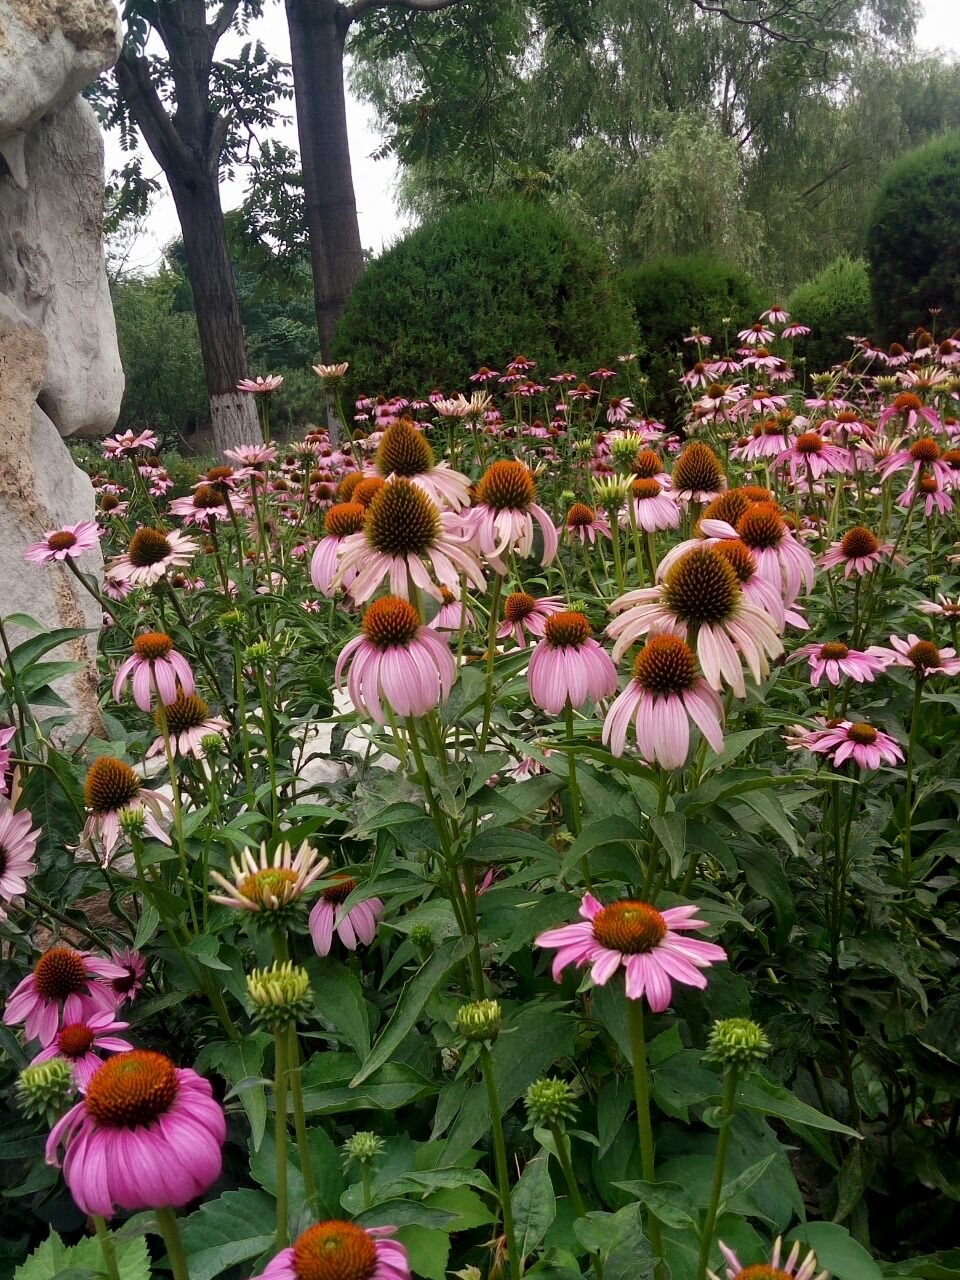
(339, 1001)
(428, 1251)
(667, 1201)
(760, 1094)
(837, 1251)
(27, 652)
(534, 1206)
(328, 1089)
(324, 1160)
(239, 1061)
(671, 829)
(55, 1259)
(222, 1233)
(413, 999)
(743, 1182)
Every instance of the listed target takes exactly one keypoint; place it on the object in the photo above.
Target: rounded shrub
(477, 286)
(912, 243)
(835, 304)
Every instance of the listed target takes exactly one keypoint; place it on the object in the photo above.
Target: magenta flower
(757, 335)
(837, 662)
(328, 916)
(261, 386)
(503, 519)
(585, 523)
(18, 844)
(920, 455)
(341, 1251)
(453, 615)
(665, 690)
(396, 660)
(127, 988)
(155, 667)
(649, 944)
(654, 509)
(63, 981)
(932, 497)
(146, 1136)
(113, 788)
(6, 755)
(778, 1269)
(524, 614)
(150, 554)
(809, 457)
(207, 504)
(859, 551)
(72, 540)
(569, 665)
(775, 314)
(619, 408)
(920, 656)
(911, 412)
(80, 1044)
(842, 740)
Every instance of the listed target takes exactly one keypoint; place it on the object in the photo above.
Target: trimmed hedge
(835, 304)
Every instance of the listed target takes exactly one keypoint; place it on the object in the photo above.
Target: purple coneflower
(18, 844)
(337, 1250)
(71, 540)
(153, 667)
(569, 665)
(81, 1043)
(271, 882)
(838, 662)
(187, 721)
(329, 917)
(653, 508)
(859, 551)
(920, 656)
(150, 554)
(504, 515)
(112, 788)
(524, 615)
(585, 523)
(261, 386)
(778, 1268)
(841, 740)
(64, 983)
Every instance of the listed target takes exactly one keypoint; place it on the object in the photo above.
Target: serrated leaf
(222, 1233)
(534, 1206)
(339, 1001)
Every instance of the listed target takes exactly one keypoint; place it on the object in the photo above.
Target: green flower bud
(479, 1021)
(133, 821)
(211, 744)
(44, 1091)
(363, 1148)
(737, 1042)
(257, 653)
(279, 995)
(549, 1102)
(611, 491)
(578, 606)
(232, 621)
(625, 448)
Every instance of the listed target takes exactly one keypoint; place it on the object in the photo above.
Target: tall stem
(167, 1222)
(727, 1109)
(280, 1131)
(576, 820)
(500, 1159)
(300, 1119)
(906, 866)
(641, 1093)
(107, 1247)
(491, 656)
(562, 1144)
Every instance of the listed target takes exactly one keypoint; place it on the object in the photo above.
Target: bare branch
(221, 23)
(760, 24)
(360, 7)
(136, 83)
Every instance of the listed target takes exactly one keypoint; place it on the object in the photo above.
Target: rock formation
(60, 369)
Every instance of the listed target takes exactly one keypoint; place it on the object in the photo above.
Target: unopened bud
(737, 1042)
(362, 1148)
(479, 1021)
(133, 821)
(44, 1090)
(279, 995)
(550, 1102)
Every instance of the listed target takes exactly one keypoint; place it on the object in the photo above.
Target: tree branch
(759, 24)
(143, 101)
(221, 23)
(360, 7)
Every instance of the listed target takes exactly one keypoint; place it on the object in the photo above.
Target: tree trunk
(318, 30)
(233, 414)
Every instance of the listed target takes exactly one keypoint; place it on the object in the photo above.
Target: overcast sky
(375, 180)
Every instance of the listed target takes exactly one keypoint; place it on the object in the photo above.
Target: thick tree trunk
(233, 414)
(318, 30)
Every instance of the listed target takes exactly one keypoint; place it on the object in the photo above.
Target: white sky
(375, 180)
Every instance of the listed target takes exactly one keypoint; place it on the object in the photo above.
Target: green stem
(562, 1145)
(167, 1222)
(491, 656)
(177, 807)
(500, 1159)
(906, 866)
(576, 820)
(107, 1247)
(280, 1131)
(300, 1119)
(367, 1190)
(641, 1093)
(727, 1109)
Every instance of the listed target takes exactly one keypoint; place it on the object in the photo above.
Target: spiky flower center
(334, 1251)
(147, 547)
(391, 621)
(62, 541)
(187, 711)
(833, 651)
(907, 402)
(267, 885)
(402, 521)
(808, 443)
(367, 490)
(738, 557)
(729, 506)
(925, 450)
(207, 496)
(217, 475)
(152, 645)
(863, 734)
(924, 655)
(110, 785)
(928, 484)
(567, 630)
(644, 489)
(340, 890)
(762, 526)
(347, 486)
(755, 493)
(507, 486)
(633, 928)
(132, 1089)
(666, 664)
(403, 451)
(580, 516)
(761, 1271)
(108, 502)
(345, 518)
(701, 588)
(952, 459)
(60, 972)
(647, 464)
(75, 1040)
(698, 469)
(771, 427)
(859, 542)
(518, 605)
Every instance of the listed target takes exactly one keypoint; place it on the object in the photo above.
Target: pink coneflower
(769, 440)
(931, 497)
(153, 667)
(484, 374)
(911, 411)
(920, 656)
(505, 512)
(841, 740)
(653, 509)
(809, 457)
(585, 523)
(859, 551)
(261, 386)
(569, 665)
(331, 372)
(127, 443)
(942, 607)
(524, 614)
(921, 454)
(396, 660)
(251, 455)
(353, 926)
(188, 721)
(701, 339)
(150, 554)
(453, 615)
(63, 981)
(341, 520)
(619, 408)
(6, 755)
(759, 400)
(702, 591)
(18, 844)
(664, 691)
(71, 540)
(775, 314)
(649, 944)
(206, 504)
(402, 529)
(146, 1136)
(81, 1043)
(341, 1251)
(405, 452)
(697, 474)
(838, 662)
(112, 788)
(795, 330)
(777, 1269)
(779, 557)
(271, 882)
(127, 988)
(756, 336)
(697, 377)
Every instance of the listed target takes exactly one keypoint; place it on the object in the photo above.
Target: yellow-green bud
(232, 620)
(625, 448)
(479, 1021)
(211, 744)
(279, 995)
(257, 653)
(611, 491)
(362, 1148)
(133, 821)
(737, 1042)
(550, 1102)
(885, 382)
(44, 1090)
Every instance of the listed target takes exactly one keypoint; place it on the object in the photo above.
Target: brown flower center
(701, 588)
(771, 427)
(147, 547)
(633, 928)
(267, 884)
(698, 469)
(132, 1089)
(187, 711)
(110, 785)
(647, 464)
(334, 1251)
(367, 490)
(60, 972)
(391, 621)
(952, 459)
(808, 443)
(348, 485)
(643, 489)
(401, 520)
(403, 451)
(340, 891)
(345, 518)
(755, 493)
(580, 516)
(567, 630)
(75, 1040)
(666, 664)
(108, 502)
(833, 650)
(925, 450)
(738, 557)
(864, 734)
(207, 496)
(61, 541)
(762, 526)
(928, 484)
(507, 486)
(152, 645)
(761, 1271)
(518, 605)
(729, 506)
(924, 655)
(859, 542)
(907, 403)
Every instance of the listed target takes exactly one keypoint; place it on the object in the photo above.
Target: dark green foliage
(477, 286)
(912, 242)
(835, 304)
(672, 296)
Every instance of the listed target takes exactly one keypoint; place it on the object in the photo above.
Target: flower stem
(562, 1144)
(280, 1131)
(491, 656)
(641, 1093)
(167, 1222)
(906, 866)
(727, 1110)
(500, 1159)
(576, 820)
(367, 1191)
(107, 1247)
(300, 1119)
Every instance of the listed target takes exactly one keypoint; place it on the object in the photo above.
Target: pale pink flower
(568, 665)
(261, 386)
(188, 721)
(524, 614)
(859, 551)
(81, 1043)
(842, 740)
(341, 521)
(931, 497)
(6, 736)
(795, 330)
(809, 456)
(837, 662)
(919, 456)
(756, 336)
(330, 916)
(503, 519)
(150, 554)
(127, 443)
(911, 412)
(206, 504)
(586, 523)
(654, 508)
(789, 1268)
(113, 788)
(453, 615)
(18, 844)
(153, 667)
(619, 408)
(921, 656)
(71, 540)
(942, 607)
(780, 557)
